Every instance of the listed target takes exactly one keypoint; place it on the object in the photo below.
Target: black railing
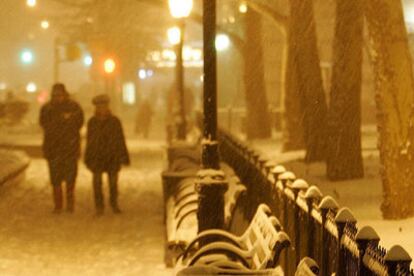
(318, 228)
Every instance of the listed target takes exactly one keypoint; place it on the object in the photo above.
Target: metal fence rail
(317, 226)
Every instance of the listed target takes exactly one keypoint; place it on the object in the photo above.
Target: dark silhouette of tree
(257, 119)
(304, 96)
(394, 84)
(344, 158)
(306, 78)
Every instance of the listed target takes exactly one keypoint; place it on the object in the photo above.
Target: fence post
(326, 204)
(276, 195)
(268, 168)
(285, 178)
(312, 195)
(397, 256)
(210, 186)
(276, 171)
(363, 238)
(343, 217)
(297, 186)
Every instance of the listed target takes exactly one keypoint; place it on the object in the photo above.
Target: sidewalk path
(36, 242)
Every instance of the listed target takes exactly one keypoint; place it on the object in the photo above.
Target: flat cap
(100, 99)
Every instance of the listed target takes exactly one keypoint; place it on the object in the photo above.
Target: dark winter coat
(105, 147)
(61, 124)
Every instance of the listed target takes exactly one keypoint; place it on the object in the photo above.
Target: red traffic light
(109, 65)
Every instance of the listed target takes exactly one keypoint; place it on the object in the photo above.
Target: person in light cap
(106, 152)
(61, 119)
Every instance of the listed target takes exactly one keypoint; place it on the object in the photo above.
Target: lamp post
(211, 183)
(210, 158)
(180, 9)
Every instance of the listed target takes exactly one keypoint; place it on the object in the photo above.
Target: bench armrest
(223, 248)
(211, 234)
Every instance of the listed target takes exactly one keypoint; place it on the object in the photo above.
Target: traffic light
(109, 66)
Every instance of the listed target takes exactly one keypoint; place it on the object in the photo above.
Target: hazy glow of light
(197, 54)
(31, 87)
(128, 93)
(109, 66)
(44, 24)
(222, 42)
(31, 3)
(169, 55)
(180, 8)
(174, 35)
(3, 85)
(150, 73)
(409, 13)
(232, 19)
(142, 74)
(87, 61)
(202, 78)
(26, 56)
(243, 7)
(187, 53)
(42, 97)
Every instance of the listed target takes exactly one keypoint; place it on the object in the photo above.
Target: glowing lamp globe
(174, 35)
(109, 66)
(180, 8)
(222, 42)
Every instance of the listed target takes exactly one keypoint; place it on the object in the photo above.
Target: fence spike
(328, 203)
(299, 184)
(288, 175)
(344, 215)
(279, 169)
(367, 233)
(397, 253)
(313, 192)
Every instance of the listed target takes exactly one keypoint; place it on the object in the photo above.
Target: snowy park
(207, 137)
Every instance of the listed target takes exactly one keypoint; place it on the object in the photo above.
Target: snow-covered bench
(307, 267)
(12, 164)
(181, 199)
(181, 213)
(258, 248)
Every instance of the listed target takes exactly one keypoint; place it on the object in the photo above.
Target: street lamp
(31, 87)
(180, 9)
(222, 42)
(31, 3)
(243, 7)
(87, 60)
(44, 24)
(26, 56)
(174, 35)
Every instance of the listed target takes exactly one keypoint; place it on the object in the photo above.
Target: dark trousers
(113, 189)
(63, 170)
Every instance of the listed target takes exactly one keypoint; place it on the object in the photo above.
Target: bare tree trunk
(344, 157)
(293, 138)
(258, 119)
(304, 87)
(394, 84)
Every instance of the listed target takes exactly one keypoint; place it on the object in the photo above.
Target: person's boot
(70, 198)
(115, 208)
(57, 198)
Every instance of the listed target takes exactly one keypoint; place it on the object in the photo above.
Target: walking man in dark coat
(61, 119)
(106, 151)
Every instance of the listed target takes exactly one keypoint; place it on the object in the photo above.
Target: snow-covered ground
(362, 196)
(33, 241)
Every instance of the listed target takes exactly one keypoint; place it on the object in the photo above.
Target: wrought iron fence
(317, 226)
